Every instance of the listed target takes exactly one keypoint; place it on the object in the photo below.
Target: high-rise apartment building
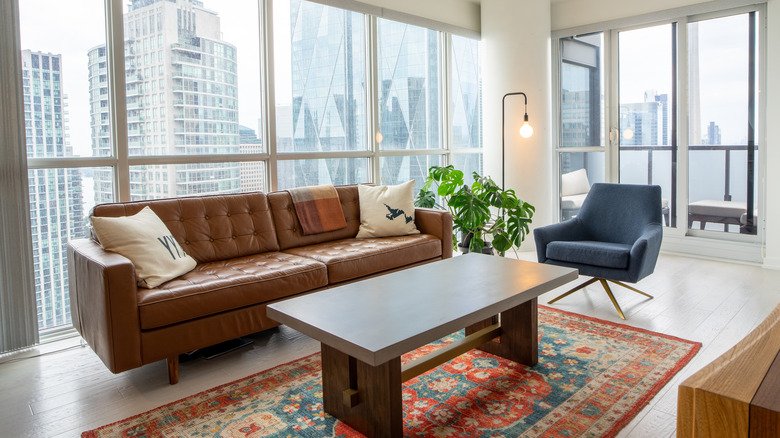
(647, 121)
(182, 99)
(713, 134)
(56, 209)
(252, 172)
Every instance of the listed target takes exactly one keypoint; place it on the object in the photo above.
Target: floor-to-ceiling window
(58, 99)
(321, 95)
(583, 142)
(192, 97)
(681, 110)
(722, 130)
(409, 83)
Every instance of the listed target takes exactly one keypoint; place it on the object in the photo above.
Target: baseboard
(772, 263)
(745, 252)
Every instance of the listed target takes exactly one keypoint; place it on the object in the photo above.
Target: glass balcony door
(583, 147)
(647, 101)
(673, 103)
(722, 151)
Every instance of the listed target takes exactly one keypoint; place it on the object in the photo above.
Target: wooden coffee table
(365, 327)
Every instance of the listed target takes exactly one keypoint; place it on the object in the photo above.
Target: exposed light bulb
(379, 137)
(526, 130)
(628, 133)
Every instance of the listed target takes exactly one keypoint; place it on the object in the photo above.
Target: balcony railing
(727, 150)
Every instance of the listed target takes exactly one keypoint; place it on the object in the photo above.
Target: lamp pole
(526, 131)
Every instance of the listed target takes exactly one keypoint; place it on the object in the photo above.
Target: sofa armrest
(567, 230)
(104, 305)
(437, 223)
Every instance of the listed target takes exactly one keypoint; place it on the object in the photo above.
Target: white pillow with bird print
(386, 210)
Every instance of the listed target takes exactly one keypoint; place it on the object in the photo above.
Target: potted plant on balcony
(483, 213)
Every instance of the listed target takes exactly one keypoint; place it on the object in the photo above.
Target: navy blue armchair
(616, 237)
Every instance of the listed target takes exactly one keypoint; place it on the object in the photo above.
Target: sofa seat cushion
(352, 258)
(226, 285)
(603, 254)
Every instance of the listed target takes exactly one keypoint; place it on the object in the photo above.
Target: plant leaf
(500, 242)
(425, 199)
(472, 212)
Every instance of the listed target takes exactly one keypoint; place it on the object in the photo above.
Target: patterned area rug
(592, 378)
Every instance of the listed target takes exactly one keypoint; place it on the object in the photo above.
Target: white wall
(516, 57)
(772, 93)
(573, 13)
(461, 13)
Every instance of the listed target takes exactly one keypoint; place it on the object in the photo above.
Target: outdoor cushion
(575, 183)
(603, 254)
(717, 208)
(573, 201)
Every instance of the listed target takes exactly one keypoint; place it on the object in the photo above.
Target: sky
(645, 64)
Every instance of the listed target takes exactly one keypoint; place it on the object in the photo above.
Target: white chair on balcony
(719, 212)
(575, 187)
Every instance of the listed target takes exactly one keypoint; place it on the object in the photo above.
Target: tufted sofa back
(211, 228)
(288, 227)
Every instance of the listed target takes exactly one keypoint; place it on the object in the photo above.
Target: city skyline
(183, 81)
(56, 209)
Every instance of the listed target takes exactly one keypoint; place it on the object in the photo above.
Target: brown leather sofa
(250, 253)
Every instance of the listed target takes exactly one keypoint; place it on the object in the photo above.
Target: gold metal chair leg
(612, 297)
(606, 289)
(576, 288)
(631, 288)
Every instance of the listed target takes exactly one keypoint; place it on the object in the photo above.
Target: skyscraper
(56, 209)
(252, 172)
(647, 121)
(327, 111)
(182, 99)
(713, 134)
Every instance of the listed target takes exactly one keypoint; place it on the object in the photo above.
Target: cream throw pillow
(386, 210)
(146, 241)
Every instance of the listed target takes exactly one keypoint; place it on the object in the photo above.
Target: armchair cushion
(602, 254)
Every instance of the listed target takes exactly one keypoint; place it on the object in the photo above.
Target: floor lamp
(525, 131)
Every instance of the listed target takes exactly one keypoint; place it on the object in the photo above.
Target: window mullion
(612, 107)
(683, 110)
(267, 90)
(447, 97)
(115, 51)
(372, 97)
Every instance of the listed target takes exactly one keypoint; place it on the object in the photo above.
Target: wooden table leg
(367, 398)
(519, 341)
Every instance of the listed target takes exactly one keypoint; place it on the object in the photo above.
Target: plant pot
(465, 241)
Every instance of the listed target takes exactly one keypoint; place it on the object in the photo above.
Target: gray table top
(380, 318)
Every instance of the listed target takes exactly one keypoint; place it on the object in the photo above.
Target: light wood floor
(64, 392)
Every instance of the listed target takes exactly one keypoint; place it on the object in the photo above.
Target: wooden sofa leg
(173, 369)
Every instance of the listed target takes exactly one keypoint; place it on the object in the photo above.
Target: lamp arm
(503, 130)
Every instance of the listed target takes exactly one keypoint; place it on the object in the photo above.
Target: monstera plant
(483, 212)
